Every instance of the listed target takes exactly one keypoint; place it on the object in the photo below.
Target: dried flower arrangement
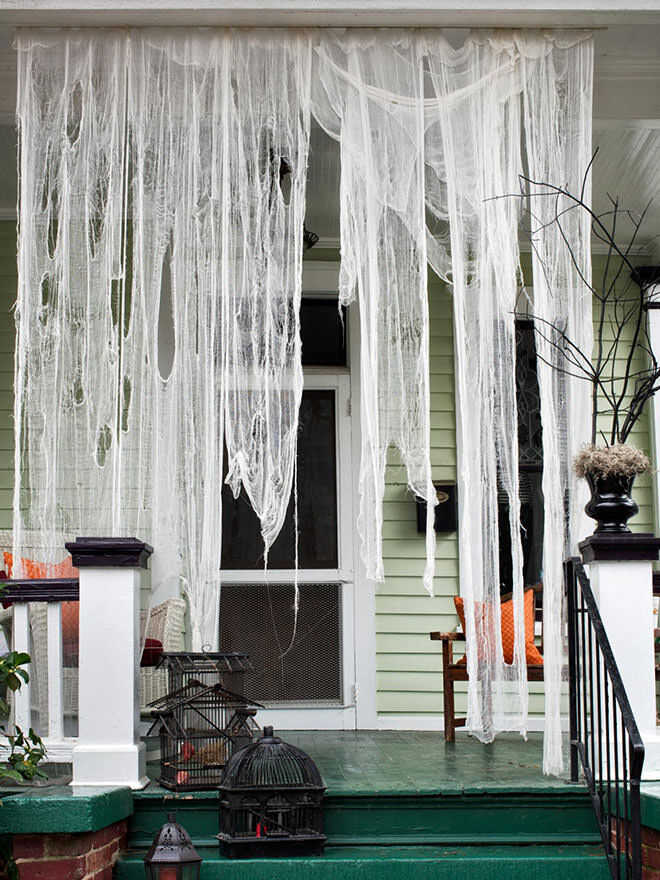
(620, 460)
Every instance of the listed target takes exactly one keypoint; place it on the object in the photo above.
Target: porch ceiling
(331, 13)
(626, 94)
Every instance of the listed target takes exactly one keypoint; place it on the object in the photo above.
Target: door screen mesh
(301, 668)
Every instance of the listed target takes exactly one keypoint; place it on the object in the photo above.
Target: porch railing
(47, 670)
(604, 736)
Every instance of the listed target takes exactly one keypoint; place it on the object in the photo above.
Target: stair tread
(411, 853)
(394, 862)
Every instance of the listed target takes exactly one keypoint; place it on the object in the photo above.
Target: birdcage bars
(271, 801)
(227, 669)
(194, 725)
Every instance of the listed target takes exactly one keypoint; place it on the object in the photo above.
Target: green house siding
(407, 662)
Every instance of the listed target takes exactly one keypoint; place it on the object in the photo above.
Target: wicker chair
(166, 623)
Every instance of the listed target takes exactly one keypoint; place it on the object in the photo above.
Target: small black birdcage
(226, 669)
(271, 801)
(200, 726)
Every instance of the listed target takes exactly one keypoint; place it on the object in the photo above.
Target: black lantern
(172, 855)
(271, 801)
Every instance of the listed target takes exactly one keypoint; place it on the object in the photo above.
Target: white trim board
(436, 722)
(381, 13)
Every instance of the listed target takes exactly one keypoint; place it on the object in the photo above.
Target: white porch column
(648, 278)
(109, 751)
(621, 578)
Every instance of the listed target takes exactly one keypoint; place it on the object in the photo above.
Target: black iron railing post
(604, 734)
(569, 575)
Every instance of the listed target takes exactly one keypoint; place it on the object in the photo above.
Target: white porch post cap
(109, 553)
(623, 547)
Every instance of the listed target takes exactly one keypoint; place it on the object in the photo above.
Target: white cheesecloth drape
(151, 209)
(368, 95)
(151, 214)
(470, 116)
(506, 102)
(563, 300)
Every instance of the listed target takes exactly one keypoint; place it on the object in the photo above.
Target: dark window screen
(242, 546)
(295, 661)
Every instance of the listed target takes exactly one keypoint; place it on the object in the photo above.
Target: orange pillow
(65, 569)
(37, 570)
(532, 653)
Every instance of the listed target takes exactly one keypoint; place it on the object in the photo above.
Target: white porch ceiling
(331, 13)
(626, 119)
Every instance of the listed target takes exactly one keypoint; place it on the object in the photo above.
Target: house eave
(364, 13)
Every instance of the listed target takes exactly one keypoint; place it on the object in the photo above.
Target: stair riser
(404, 820)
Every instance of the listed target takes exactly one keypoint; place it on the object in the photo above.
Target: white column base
(620, 571)
(108, 765)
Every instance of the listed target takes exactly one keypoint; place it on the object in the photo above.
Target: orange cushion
(532, 653)
(36, 570)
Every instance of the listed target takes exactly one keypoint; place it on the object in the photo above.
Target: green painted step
(555, 817)
(396, 863)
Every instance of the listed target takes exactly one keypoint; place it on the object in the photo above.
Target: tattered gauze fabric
(150, 199)
(150, 209)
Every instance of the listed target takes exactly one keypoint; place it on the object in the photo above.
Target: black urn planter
(610, 504)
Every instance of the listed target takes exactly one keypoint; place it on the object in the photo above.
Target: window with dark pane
(242, 545)
(322, 333)
(530, 457)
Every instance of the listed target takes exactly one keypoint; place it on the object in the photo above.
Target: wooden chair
(453, 671)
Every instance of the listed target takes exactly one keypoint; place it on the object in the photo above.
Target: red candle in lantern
(167, 873)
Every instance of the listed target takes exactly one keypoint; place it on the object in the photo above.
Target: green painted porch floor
(414, 762)
(391, 762)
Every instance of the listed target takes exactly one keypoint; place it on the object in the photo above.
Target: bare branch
(620, 385)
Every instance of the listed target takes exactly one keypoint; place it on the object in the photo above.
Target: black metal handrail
(603, 731)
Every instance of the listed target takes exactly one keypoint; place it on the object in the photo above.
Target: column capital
(109, 553)
(625, 547)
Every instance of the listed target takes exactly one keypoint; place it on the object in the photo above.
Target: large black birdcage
(200, 726)
(271, 801)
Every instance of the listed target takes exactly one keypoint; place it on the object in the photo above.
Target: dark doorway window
(322, 333)
(242, 546)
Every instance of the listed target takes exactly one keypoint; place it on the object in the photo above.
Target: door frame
(341, 716)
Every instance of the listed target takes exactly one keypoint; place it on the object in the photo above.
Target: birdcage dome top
(271, 763)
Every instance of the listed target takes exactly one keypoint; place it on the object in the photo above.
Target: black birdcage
(226, 669)
(200, 726)
(271, 801)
